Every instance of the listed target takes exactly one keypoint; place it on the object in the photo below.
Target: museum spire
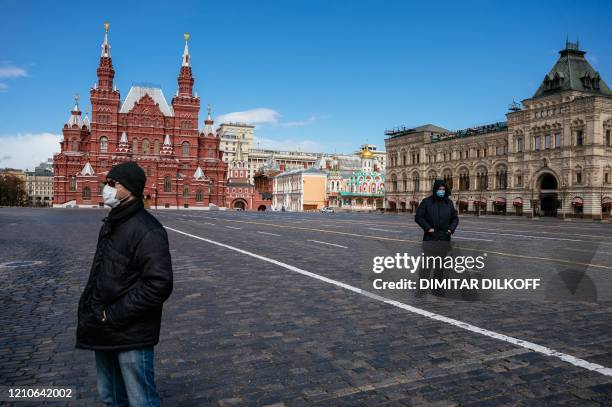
(106, 72)
(185, 79)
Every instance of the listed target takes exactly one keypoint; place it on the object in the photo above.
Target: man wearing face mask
(437, 216)
(119, 314)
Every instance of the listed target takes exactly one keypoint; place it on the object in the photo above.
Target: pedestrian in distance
(437, 216)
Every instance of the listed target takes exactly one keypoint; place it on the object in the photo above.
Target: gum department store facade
(553, 156)
(184, 166)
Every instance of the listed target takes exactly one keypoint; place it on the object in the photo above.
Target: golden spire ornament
(187, 36)
(106, 25)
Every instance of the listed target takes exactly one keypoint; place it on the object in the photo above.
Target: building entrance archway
(549, 195)
(239, 204)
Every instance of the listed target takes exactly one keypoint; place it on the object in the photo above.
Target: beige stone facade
(299, 190)
(553, 156)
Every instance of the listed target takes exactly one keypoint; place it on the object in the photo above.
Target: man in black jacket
(120, 310)
(437, 216)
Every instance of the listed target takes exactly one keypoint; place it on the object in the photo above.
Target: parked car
(327, 209)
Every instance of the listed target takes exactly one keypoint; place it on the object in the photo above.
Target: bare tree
(12, 190)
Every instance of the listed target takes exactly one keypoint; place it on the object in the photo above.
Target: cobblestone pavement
(239, 330)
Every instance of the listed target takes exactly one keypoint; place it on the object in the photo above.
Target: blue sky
(324, 75)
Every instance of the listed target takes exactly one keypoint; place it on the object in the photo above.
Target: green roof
(572, 72)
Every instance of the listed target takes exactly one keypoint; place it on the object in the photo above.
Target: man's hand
(450, 232)
(103, 315)
(431, 230)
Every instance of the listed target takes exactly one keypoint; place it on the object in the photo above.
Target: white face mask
(109, 194)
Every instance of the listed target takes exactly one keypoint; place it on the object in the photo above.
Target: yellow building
(299, 190)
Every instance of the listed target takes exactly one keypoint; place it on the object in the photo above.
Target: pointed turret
(185, 79)
(105, 44)
(75, 115)
(186, 56)
(208, 124)
(167, 147)
(86, 121)
(106, 72)
(124, 145)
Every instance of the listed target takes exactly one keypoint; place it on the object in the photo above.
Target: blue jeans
(127, 378)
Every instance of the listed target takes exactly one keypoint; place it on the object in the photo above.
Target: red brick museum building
(184, 166)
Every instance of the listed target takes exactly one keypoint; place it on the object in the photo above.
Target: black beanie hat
(130, 175)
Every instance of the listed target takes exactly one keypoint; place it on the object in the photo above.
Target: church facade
(184, 165)
(552, 157)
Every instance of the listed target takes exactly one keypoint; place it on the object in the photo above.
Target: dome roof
(366, 154)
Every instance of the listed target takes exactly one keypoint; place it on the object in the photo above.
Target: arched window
(185, 148)
(394, 183)
(72, 185)
(103, 145)
(519, 145)
(75, 145)
(448, 178)
(167, 186)
(404, 182)
(86, 194)
(578, 174)
(156, 147)
(501, 177)
(135, 146)
(416, 183)
(199, 196)
(482, 179)
(464, 180)
(145, 146)
(579, 137)
(185, 191)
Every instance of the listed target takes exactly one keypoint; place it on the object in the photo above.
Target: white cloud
(27, 150)
(287, 145)
(299, 123)
(12, 72)
(3, 87)
(260, 115)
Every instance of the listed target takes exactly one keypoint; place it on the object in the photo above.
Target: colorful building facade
(356, 184)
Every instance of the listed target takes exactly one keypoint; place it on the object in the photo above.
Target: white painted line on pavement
(586, 251)
(463, 325)
(233, 227)
(331, 244)
(472, 238)
(386, 230)
(268, 233)
(208, 223)
(526, 236)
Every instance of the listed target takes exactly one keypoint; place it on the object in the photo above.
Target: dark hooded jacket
(437, 213)
(130, 278)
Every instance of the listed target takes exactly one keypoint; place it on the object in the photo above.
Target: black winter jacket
(130, 278)
(437, 213)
